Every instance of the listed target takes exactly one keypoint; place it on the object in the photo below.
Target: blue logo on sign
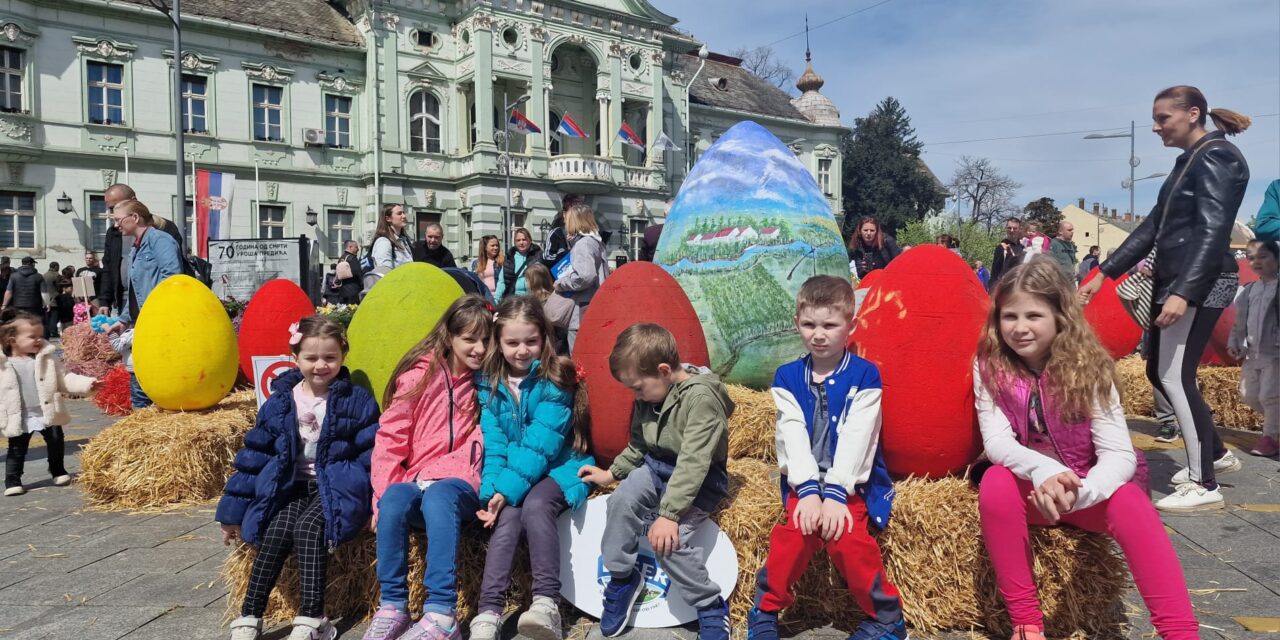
(657, 583)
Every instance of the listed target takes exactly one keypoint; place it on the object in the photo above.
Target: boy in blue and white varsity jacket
(834, 479)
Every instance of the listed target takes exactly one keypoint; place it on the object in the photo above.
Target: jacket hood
(701, 377)
(25, 269)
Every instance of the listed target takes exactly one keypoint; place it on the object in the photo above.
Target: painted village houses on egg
(325, 110)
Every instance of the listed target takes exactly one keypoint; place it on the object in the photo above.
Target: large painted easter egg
(264, 327)
(395, 315)
(748, 227)
(184, 349)
(1115, 329)
(920, 325)
(637, 292)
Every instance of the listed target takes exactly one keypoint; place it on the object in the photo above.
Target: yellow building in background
(1098, 225)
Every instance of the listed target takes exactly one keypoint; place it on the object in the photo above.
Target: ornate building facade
(326, 110)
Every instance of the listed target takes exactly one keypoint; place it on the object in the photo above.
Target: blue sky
(984, 69)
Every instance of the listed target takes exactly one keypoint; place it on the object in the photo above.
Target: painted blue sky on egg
(747, 171)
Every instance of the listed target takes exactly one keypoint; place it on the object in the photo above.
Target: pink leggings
(1127, 516)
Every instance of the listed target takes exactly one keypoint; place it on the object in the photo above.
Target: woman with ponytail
(1188, 235)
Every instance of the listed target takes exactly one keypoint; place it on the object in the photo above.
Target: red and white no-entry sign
(265, 370)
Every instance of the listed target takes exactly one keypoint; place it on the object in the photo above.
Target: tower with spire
(818, 108)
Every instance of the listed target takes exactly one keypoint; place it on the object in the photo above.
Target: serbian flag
(520, 124)
(213, 208)
(629, 137)
(570, 128)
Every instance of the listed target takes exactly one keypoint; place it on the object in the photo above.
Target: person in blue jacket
(302, 478)
(1267, 225)
(533, 415)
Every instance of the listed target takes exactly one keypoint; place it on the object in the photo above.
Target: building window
(195, 92)
(268, 124)
(337, 121)
(553, 139)
(17, 220)
(11, 74)
(341, 229)
(106, 93)
(99, 222)
(189, 229)
(271, 221)
(824, 175)
(424, 122)
(637, 236)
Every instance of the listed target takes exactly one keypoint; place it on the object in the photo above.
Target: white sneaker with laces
(484, 626)
(1228, 463)
(62, 480)
(1191, 497)
(305, 628)
(14, 491)
(246, 628)
(542, 620)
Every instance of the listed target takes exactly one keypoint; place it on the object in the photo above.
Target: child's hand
(1057, 495)
(835, 520)
(230, 532)
(1236, 353)
(373, 524)
(664, 536)
(808, 514)
(595, 475)
(489, 514)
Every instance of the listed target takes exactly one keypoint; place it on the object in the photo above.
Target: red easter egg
(637, 292)
(1114, 327)
(920, 325)
(869, 279)
(1215, 354)
(264, 329)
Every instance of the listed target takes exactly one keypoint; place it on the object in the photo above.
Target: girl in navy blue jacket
(533, 413)
(302, 478)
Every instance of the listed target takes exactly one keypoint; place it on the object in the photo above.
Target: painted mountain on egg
(748, 227)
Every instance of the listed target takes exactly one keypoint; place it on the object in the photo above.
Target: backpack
(343, 272)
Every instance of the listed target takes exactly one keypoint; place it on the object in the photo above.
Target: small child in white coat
(33, 390)
(1256, 338)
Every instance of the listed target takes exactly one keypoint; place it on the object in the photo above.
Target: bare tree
(764, 62)
(988, 191)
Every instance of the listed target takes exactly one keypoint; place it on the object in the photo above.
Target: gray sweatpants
(632, 508)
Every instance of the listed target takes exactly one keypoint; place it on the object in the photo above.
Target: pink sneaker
(387, 624)
(1266, 446)
(1027, 632)
(428, 629)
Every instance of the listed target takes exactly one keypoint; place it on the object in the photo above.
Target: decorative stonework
(640, 208)
(273, 191)
(15, 129)
(466, 67)
(342, 196)
(796, 148)
(462, 199)
(429, 199)
(616, 50)
(103, 48)
(635, 88)
(538, 33)
(16, 33)
(429, 165)
(266, 72)
(391, 22)
(269, 158)
(517, 198)
(362, 25)
(826, 151)
(514, 66)
(108, 178)
(482, 22)
(195, 62)
(338, 84)
(657, 57)
(416, 84)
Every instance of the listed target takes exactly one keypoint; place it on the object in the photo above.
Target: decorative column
(656, 109)
(483, 39)
(615, 108)
(606, 141)
(390, 75)
(538, 91)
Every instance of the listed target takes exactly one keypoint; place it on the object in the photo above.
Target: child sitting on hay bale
(534, 418)
(316, 429)
(1053, 428)
(834, 477)
(675, 467)
(1256, 338)
(427, 461)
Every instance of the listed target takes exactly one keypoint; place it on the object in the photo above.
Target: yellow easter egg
(184, 349)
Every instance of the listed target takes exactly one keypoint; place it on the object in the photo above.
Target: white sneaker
(1191, 497)
(246, 628)
(542, 620)
(484, 626)
(14, 491)
(305, 628)
(1226, 464)
(62, 480)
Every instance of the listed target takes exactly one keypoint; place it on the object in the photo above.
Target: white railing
(643, 178)
(576, 167)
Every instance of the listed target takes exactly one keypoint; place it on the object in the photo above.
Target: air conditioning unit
(313, 137)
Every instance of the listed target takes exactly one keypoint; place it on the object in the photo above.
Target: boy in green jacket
(674, 467)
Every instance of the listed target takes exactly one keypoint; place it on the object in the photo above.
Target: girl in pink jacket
(426, 470)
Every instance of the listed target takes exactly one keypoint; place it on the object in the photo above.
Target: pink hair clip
(295, 338)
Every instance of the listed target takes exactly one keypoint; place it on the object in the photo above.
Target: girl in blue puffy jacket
(533, 414)
(302, 478)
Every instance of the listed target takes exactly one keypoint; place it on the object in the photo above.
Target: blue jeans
(451, 503)
(137, 397)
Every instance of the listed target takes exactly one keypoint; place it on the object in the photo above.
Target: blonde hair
(136, 208)
(541, 285)
(579, 220)
(1079, 372)
(641, 348)
(467, 314)
(560, 370)
(826, 292)
(1187, 97)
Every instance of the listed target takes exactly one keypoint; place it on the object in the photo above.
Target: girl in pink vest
(1053, 428)
(426, 470)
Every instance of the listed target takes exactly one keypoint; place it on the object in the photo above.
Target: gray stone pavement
(69, 573)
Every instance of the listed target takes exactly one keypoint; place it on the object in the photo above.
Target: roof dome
(818, 108)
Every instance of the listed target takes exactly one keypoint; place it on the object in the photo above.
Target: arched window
(424, 122)
(553, 138)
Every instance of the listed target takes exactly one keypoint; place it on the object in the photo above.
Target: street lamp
(174, 14)
(64, 203)
(1134, 161)
(506, 148)
(544, 228)
(312, 216)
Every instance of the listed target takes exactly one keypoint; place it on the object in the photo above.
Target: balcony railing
(588, 174)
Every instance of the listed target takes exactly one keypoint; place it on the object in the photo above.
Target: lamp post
(312, 216)
(174, 14)
(688, 115)
(64, 203)
(1134, 161)
(506, 154)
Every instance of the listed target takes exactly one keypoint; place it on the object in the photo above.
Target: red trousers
(856, 556)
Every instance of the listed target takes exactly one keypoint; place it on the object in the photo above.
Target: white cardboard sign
(662, 604)
(265, 370)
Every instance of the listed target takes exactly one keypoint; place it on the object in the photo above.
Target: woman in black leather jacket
(1194, 277)
(871, 248)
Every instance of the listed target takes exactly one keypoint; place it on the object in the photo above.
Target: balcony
(581, 174)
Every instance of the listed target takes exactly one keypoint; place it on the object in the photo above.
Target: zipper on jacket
(1048, 431)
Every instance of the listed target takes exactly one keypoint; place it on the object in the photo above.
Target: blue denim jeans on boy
(137, 397)
(441, 509)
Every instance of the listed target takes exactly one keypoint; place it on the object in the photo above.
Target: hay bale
(163, 459)
(80, 343)
(1220, 387)
(752, 425)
